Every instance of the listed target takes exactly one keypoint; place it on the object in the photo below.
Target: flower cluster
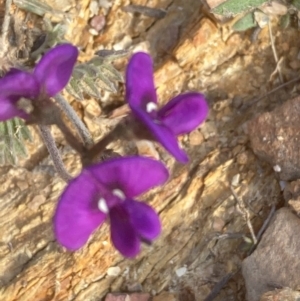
(107, 190)
(50, 76)
(180, 115)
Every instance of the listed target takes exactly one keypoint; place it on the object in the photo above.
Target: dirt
(205, 234)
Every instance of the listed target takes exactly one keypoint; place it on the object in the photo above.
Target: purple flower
(50, 76)
(108, 189)
(180, 115)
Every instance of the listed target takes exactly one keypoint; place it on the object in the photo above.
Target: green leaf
(89, 86)
(244, 23)
(13, 134)
(105, 83)
(296, 3)
(37, 7)
(285, 21)
(234, 7)
(74, 89)
(109, 71)
(90, 77)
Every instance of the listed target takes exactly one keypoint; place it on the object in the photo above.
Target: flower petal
(184, 113)
(163, 135)
(19, 83)
(140, 88)
(123, 234)
(8, 110)
(55, 68)
(77, 214)
(144, 219)
(133, 175)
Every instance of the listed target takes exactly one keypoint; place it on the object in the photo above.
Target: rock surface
(285, 294)
(275, 138)
(275, 263)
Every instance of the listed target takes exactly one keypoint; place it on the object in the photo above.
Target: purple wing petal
(54, 69)
(77, 215)
(163, 135)
(139, 81)
(144, 219)
(19, 83)
(132, 175)
(184, 113)
(123, 234)
(8, 110)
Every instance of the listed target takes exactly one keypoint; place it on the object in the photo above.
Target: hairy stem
(118, 132)
(80, 127)
(71, 139)
(54, 153)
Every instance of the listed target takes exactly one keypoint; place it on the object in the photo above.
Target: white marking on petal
(151, 106)
(102, 206)
(25, 105)
(119, 193)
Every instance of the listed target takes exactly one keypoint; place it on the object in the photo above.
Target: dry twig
(5, 28)
(263, 227)
(271, 92)
(275, 53)
(218, 287)
(245, 214)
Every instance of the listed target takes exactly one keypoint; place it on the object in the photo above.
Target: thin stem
(5, 26)
(54, 153)
(118, 132)
(271, 92)
(71, 139)
(80, 127)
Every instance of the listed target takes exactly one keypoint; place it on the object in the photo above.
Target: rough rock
(285, 294)
(165, 296)
(275, 138)
(274, 264)
(291, 195)
(126, 297)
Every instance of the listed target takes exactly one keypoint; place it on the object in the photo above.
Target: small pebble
(277, 168)
(98, 22)
(196, 138)
(242, 158)
(181, 271)
(236, 180)
(113, 271)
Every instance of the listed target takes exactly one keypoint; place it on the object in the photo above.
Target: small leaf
(234, 7)
(74, 89)
(285, 21)
(110, 55)
(89, 70)
(33, 6)
(88, 86)
(22, 131)
(244, 23)
(13, 133)
(111, 72)
(104, 83)
(296, 3)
